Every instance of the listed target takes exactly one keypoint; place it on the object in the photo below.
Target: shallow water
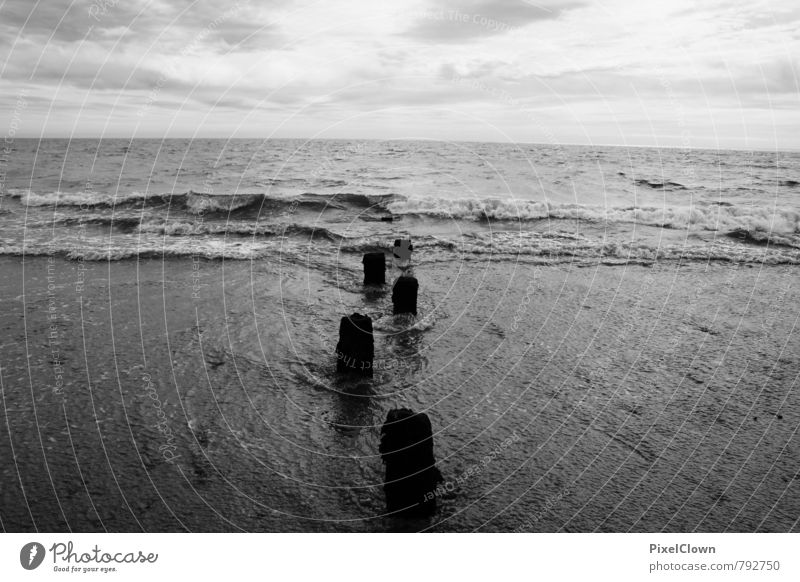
(628, 397)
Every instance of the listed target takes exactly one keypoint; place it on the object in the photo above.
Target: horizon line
(409, 139)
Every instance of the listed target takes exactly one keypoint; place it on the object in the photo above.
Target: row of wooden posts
(406, 446)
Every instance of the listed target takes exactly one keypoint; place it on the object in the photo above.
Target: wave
(202, 203)
(510, 247)
(123, 253)
(565, 247)
(666, 185)
(756, 237)
(139, 224)
(180, 228)
(544, 248)
(789, 183)
(711, 217)
(330, 183)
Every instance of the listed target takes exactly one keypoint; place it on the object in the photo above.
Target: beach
(187, 394)
(500, 267)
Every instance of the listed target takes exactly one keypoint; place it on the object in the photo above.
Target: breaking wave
(711, 217)
(660, 185)
(239, 229)
(249, 241)
(560, 248)
(175, 227)
(544, 248)
(201, 203)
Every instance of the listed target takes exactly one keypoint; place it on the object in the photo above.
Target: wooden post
(404, 295)
(411, 474)
(356, 348)
(374, 268)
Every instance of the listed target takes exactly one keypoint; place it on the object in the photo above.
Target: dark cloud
(56, 20)
(100, 44)
(454, 21)
(175, 24)
(77, 65)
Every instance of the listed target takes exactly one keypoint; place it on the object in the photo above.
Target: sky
(626, 72)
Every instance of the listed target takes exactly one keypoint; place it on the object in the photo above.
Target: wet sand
(199, 395)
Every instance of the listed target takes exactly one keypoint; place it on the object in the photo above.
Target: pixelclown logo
(31, 555)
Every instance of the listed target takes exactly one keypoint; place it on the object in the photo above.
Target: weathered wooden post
(356, 348)
(374, 268)
(411, 474)
(404, 295)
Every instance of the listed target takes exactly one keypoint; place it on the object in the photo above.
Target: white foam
(707, 217)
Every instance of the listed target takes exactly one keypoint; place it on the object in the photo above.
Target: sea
(606, 337)
(245, 199)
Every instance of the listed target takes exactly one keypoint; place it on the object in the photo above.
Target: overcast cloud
(679, 73)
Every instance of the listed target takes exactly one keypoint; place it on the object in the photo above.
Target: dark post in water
(356, 348)
(411, 474)
(404, 295)
(374, 268)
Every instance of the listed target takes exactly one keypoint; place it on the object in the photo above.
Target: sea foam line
(710, 217)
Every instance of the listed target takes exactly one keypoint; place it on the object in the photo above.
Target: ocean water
(606, 337)
(246, 199)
